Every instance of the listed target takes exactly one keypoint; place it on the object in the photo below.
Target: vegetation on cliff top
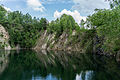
(107, 26)
(25, 30)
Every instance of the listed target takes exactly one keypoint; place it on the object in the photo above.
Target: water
(56, 65)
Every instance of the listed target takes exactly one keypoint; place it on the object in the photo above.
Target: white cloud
(8, 9)
(86, 7)
(75, 14)
(55, 1)
(10, 0)
(35, 5)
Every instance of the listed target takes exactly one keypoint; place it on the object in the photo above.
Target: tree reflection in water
(59, 65)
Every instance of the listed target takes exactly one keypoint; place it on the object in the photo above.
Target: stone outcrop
(4, 38)
(64, 42)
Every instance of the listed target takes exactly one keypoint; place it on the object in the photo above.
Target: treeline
(104, 23)
(65, 23)
(23, 29)
(107, 25)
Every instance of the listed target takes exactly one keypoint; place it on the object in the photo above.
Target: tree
(23, 29)
(114, 3)
(82, 23)
(107, 25)
(43, 23)
(2, 14)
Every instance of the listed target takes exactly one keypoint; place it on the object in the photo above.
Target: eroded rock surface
(4, 38)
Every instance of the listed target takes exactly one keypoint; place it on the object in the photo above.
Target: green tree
(114, 3)
(3, 13)
(43, 23)
(107, 25)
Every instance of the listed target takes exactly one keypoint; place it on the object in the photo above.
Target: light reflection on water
(87, 75)
(48, 77)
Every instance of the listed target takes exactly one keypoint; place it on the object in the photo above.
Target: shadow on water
(56, 65)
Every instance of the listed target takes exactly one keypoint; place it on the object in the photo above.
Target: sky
(52, 9)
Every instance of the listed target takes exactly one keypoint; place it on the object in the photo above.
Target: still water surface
(56, 65)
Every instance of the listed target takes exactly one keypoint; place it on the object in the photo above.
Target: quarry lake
(57, 65)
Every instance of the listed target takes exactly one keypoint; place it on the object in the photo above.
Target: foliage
(107, 25)
(65, 23)
(23, 29)
(114, 3)
(2, 14)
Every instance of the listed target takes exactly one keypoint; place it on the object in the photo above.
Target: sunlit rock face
(48, 41)
(4, 38)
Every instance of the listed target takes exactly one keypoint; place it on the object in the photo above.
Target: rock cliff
(65, 42)
(4, 38)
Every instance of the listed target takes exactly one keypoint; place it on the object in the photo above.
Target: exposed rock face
(64, 42)
(4, 38)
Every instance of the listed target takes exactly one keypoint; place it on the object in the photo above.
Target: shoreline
(14, 49)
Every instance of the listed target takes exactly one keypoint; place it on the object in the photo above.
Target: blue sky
(52, 9)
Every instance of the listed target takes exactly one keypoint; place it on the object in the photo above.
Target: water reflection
(87, 75)
(48, 77)
(57, 65)
(3, 60)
